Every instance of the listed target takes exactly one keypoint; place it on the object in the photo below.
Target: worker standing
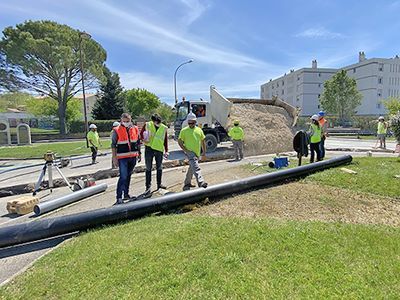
(381, 133)
(192, 141)
(237, 135)
(324, 127)
(115, 124)
(125, 145)
(155, 138)
(315, 138)
(94, 141)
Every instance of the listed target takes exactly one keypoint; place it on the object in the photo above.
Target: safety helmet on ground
(381, 118)
(236, 122)
(115, 124)
(191, 117)
(92, 126)
(314, 117)
(321, 113)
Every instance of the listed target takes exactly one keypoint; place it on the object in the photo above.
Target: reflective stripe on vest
(157, 137)
(127, 146)
(316, 134)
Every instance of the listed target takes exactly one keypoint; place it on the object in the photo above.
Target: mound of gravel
(267, 128)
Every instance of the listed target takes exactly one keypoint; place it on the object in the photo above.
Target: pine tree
(109, 105)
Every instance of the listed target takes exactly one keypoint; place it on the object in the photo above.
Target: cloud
(149, 34)
(319, 33)
(195, 9)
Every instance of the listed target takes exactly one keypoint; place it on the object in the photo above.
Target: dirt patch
(309, 202)
(267, 128)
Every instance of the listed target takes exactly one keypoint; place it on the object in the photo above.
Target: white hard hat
(115, 124)
(92, 126)
(191, 117)
(381, 118)
(314, 117)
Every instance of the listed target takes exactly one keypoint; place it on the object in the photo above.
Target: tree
(44, 57)
(48, 107)
(392, 104)
(14, 100)
(341, 96)
(166, 113)
(140, 102)
(110, 101)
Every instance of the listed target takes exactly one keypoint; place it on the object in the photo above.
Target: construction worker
(192, 141)
(237, 135)
(115, 124)
(315, 133)
(381, 133)
(125, 145)
(324, 127)
(94, 141)
(155, 138)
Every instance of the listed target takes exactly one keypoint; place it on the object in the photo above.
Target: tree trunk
(62, 107)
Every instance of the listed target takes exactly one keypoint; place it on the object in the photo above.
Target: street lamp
(83, 35)
(184, 63)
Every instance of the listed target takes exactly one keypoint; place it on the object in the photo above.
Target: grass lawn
(190, 257)
(37, 150)
(374, 175)
(37, 131)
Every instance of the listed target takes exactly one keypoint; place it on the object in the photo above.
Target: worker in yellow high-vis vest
(315, 133)
(382, 131)
(237, 135)
(155, 138)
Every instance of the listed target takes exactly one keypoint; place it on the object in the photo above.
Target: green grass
(37, 131)
(374, 175)
(37, 150)
(188, 257)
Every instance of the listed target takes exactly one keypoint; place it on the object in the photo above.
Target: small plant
(395, 126)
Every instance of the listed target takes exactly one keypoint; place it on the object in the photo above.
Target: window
(298, 77)
(199, 110)
(379, 93)
(319, 106)
(277, 84)
(354, 70)
(380, 80)
(319, 96)
(380, 67)
(297, 99)
(283, 92)
(378, 105)
(283, 83)
(183, 111)
(319, 85)
(319, 74)
(272, 86)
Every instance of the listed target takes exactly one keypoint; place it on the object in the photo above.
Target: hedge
(102, 126)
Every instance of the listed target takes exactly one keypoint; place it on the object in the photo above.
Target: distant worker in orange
(200, 111)
(324, 127)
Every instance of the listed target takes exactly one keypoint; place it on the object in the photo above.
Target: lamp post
(83, 35)
(184, 63)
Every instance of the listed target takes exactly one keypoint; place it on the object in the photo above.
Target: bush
(102, 126)
(395, 126)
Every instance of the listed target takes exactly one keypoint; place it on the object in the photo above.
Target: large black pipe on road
(45, 228)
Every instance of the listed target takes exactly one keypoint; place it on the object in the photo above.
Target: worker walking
(315, 133)
(125, 145)
(94, 141)
(324, 127)
(237, 135)
(155, 138)
(381, 133)
(192, 141)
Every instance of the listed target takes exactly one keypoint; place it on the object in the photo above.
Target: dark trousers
(315, 147)
(94, 153)
(126, 166)
(322, 147)
(149, 153)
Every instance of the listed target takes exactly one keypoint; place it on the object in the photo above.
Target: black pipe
(45, 228)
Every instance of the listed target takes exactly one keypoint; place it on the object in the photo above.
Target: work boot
(93, 161)
(187, 187)
(161, 186)
(119, 201)
(127, 197)
(203, 185)
(147, 192)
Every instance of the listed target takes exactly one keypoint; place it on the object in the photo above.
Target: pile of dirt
(267, 128)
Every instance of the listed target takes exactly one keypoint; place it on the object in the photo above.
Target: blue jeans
(126, 166)
(322, 147)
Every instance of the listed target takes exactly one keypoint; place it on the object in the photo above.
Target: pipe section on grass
(50, 205)
(45, 228)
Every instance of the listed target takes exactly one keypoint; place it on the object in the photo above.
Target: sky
(235, 45)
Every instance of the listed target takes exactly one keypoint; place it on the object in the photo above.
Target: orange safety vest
(127, 145)
(322, 122)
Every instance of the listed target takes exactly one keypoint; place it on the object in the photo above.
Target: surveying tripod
(49, 165)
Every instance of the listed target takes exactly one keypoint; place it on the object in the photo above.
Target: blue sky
(236, 45)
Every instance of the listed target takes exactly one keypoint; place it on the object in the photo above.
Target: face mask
(126, 124)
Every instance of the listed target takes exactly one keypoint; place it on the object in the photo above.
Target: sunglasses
(192, 123)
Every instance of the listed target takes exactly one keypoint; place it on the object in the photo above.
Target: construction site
(48, 204)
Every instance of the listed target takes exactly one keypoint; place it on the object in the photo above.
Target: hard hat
(314, 117)
(381, 118)
(191, 117)
(92, 126)
(321, 113)
(115, 124)
(236, 122)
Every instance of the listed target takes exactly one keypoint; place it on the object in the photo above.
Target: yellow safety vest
(156, 137)
(316, 133)
(236, 133)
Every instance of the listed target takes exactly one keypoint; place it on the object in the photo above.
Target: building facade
(377, 79)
